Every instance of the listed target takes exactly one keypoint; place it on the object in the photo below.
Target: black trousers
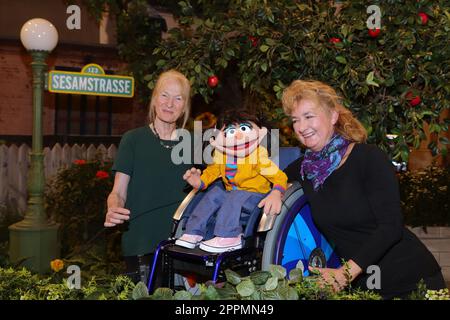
(138, 268)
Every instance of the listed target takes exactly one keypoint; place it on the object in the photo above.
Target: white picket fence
(15, 161)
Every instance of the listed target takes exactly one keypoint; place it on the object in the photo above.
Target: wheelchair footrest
(196, 253)
(209, 265)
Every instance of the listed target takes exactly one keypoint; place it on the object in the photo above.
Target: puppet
(248, 175)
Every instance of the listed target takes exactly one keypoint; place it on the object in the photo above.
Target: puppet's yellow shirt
(255, 173)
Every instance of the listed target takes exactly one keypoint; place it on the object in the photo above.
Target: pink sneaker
(189, 241)
(219, 244)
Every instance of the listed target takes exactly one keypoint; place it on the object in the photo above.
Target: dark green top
(154, 192)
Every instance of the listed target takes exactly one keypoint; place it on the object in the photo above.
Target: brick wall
(16, 87)
(437, 240)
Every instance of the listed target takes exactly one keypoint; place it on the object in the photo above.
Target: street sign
(92, 80)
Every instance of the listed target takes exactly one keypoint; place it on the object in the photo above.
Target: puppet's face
(239, 139)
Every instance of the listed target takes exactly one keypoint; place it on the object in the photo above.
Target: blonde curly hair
(325, 96)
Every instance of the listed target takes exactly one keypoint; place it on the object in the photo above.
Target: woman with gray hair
(148, 186)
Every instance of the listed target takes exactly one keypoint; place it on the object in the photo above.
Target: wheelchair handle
(267, 221)
(180, 210)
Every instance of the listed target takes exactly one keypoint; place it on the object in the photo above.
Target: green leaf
(211, 293)
(264, 48)
(292, 294)
(370, 81)
(256, 295)
(182, 295)
(230, 52)
(160, 63)
(271, 284)
(296, 275)
(246, 288)
(389, 82)
(162, 294)
(335, 73)
(140, 291)
(277, 271)
(270, 42)
(341, 59)
(260, 277)
(232, 277)
(344, 30)
(197, 68)
(271, 295)
(209, 23)
(434, 127)
(227, 292)
(303, 7)
(264, 66)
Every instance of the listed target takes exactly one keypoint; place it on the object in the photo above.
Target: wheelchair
(283, 239)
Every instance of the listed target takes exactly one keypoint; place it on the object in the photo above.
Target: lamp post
(34, 241)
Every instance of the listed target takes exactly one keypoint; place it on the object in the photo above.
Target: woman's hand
(271, 203)
(116, 216)
(116, 213)
(192, 177)
(338, 278)
(333, 277)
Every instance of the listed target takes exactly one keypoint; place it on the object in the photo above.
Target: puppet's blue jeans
(228, 205)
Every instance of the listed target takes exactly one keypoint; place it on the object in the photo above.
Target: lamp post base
(34, 247)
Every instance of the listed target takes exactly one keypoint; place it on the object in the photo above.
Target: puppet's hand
(271, 203)
(192, 176)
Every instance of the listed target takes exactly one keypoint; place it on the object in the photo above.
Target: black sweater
(358, 210)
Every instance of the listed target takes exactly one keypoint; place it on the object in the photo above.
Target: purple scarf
(318, 166)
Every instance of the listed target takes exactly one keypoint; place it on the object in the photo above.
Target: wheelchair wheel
(294, 237)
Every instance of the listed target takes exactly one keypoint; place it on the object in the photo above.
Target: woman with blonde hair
(148, 186)
(353, 192)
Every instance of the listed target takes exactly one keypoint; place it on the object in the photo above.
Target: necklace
(164, 145)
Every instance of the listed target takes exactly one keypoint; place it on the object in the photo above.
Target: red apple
(374, 32)
(253, 40)
(213, 81)
(334, 40)
(423, 17)
(413, 100)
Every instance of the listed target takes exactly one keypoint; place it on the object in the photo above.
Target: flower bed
(21, 284)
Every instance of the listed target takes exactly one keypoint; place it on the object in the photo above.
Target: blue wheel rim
(299, 236)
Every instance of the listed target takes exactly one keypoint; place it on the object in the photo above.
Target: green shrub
(21, 284)
(262, 285)
(425, 196)
(76, 198)
(273, 285)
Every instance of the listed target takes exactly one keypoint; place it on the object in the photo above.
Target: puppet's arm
(271, 172)
(210, 174)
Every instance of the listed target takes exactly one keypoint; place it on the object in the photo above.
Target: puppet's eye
(245, 127)
(229, 132)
